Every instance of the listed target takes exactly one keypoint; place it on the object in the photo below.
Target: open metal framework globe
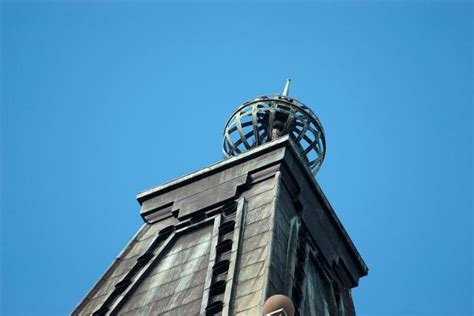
(268, 117)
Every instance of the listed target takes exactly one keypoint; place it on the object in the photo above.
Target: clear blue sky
(101, 100)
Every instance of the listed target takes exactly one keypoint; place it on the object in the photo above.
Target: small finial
(287, 88)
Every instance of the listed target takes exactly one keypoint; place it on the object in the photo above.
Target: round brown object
(279, 301)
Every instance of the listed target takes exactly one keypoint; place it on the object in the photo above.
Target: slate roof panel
(180, 273)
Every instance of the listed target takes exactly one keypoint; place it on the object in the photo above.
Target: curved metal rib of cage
(253, 122)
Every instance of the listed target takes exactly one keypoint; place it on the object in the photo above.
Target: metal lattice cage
(269, 117)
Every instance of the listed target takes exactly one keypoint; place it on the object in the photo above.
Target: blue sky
(101, 100)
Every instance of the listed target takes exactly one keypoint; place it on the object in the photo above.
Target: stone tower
(222, 240)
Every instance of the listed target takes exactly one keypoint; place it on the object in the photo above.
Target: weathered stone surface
(258, 214)
(248, 301)
(255, 242)
(285, 239)
(253, 256)
(179, 271)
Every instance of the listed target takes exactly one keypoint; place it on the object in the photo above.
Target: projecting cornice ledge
(210, 186)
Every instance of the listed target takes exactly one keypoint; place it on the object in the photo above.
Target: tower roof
(191, 251)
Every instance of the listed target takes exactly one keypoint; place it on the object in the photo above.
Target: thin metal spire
(287, 88)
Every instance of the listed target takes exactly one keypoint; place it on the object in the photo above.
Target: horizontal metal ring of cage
(268, 117)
